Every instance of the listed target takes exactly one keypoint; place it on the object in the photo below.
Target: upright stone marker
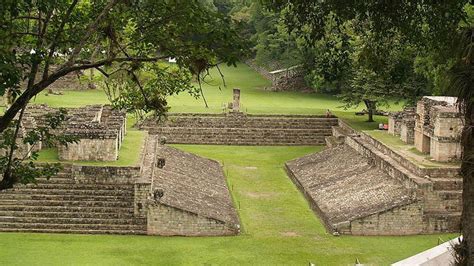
(236, 103)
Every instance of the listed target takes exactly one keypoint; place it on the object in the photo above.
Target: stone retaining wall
(102, 174)
(404, 220)
(169, 221)
(90, 150)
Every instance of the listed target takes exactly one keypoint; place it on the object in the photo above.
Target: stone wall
(90, 150)
(343, 187)
(404, 220)
(285, 79)
(402, 124)
(169, 221)
(142, 189)
(105, 174)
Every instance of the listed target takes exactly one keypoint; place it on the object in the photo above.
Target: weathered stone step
(404, 173)
(92, 203)
(80, 186)
(254, 143)
(339, 132)
(64, 214)
(55, 180)
(79, 209)
(332, 141)
(53, 191)
(76, 231)
(447, 183)
(230, 131)
(72, 226)
(38, 196)
(68, 220)
(247, 122)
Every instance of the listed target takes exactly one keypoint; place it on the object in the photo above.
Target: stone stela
(236, 102)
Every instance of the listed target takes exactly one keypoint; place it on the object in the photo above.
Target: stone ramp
(194, 184)
(190, 197)
(342, 186)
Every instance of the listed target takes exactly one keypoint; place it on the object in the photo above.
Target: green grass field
(278, 228)
(254, 98)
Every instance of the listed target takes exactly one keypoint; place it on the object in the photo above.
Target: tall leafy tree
(427, 25)
(38, 34)
(44, 40)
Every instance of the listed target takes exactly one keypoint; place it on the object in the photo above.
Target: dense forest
(349, 60)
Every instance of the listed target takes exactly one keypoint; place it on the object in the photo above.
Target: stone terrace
(194, 197)
(342, 186)
(242, 129)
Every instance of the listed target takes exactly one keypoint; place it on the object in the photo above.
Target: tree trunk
(370, 109)
(467, 170)
(8, 179)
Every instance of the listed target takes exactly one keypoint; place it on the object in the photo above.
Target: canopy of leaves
(75, 35)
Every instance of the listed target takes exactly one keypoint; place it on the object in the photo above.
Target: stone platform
(193, 198)
(242, 129)
(361, 186)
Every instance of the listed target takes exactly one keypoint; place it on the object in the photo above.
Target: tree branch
(91, 29)
(33, 90)
(55, 42)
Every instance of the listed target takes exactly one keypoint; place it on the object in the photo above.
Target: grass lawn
(279, 228)
(254, 98)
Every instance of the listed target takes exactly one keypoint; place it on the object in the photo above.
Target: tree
(18, 154)
(328, 61)
(39, 34)
(461, 84)
(427, 25)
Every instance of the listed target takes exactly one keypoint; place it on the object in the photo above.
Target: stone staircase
(64, 205)
(239, 129)
(439, 189)
(338, 136)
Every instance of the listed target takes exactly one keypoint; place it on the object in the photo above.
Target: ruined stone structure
(438, 128)
(403, 124)
(283, 79)
(360, 186)
(170, 193)
(243, 129)
(99, 128)
(434, 127)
